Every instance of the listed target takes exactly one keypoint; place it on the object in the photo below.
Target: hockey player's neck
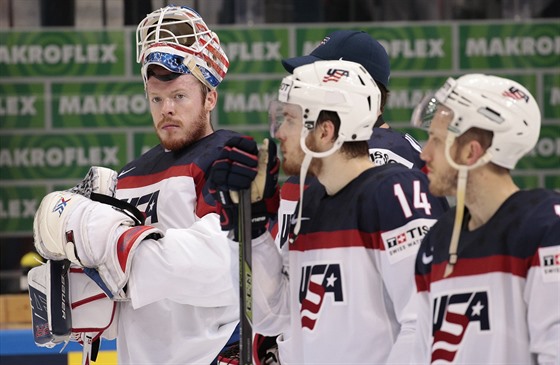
(338, 171)
(485, 195)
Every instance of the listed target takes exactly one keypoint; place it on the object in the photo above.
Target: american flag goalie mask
(178, 39)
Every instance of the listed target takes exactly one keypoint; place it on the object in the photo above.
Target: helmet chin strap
(460, 206)
(302, 174)
(305, 166)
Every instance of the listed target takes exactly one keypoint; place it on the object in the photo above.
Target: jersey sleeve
(406, 213)
(542, 291)
(271, 289)
(422, 345)
(196, 266)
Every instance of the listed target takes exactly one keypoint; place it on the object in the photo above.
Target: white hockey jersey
(184, 287)
(346, 293)
(501, 304)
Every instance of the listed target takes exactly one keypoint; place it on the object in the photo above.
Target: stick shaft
(245, 278)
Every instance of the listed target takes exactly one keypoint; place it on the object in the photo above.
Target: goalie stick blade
(39, 321)
(50, 328)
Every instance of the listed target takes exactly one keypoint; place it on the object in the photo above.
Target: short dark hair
(351, 149)
(384, 95)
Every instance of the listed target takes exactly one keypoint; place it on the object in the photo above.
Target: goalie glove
(242, 166)
(98, 181)
(90, 234)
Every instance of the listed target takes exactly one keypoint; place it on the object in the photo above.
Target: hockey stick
(245, 279)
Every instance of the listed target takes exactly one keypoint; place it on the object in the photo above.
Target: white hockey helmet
(178, 39)
(339, 86)
(492, 103)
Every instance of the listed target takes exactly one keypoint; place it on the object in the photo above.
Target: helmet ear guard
(178, 39)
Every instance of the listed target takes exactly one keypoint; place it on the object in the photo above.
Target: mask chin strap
(305, 166)
(460, 206)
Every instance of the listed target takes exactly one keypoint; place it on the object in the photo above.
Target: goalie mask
(343, 87)
(178, 39)
(501, 106)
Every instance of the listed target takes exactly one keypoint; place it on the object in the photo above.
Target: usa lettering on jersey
(453, 315)
(285, 232)
(319, 282)
(148, 204)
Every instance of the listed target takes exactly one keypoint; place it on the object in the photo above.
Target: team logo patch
(335, 74)
(453, 314)
(324, 41)
(60, 205)
(549, 258)
(404, 241)
(516, 94)
(382, 156)
(319, 282)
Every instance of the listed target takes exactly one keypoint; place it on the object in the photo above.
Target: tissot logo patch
(404, 241)
(549, 258)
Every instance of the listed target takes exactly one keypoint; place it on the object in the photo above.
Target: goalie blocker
(89, 238)
(92, 235)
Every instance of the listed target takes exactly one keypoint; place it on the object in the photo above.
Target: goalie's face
(180, 108)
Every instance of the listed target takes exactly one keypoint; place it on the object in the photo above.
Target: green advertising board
(18, 205)
(410, 48)
(254, 51)
(249, 50)
(245, 102)
(59, 156)
(551, 102)
(70, 99)
(509, 46)
(22, 105)
(66, 53)
(99, 104)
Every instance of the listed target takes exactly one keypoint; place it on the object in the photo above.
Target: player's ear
(327, 131)
(211, 100)
(473, 152)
